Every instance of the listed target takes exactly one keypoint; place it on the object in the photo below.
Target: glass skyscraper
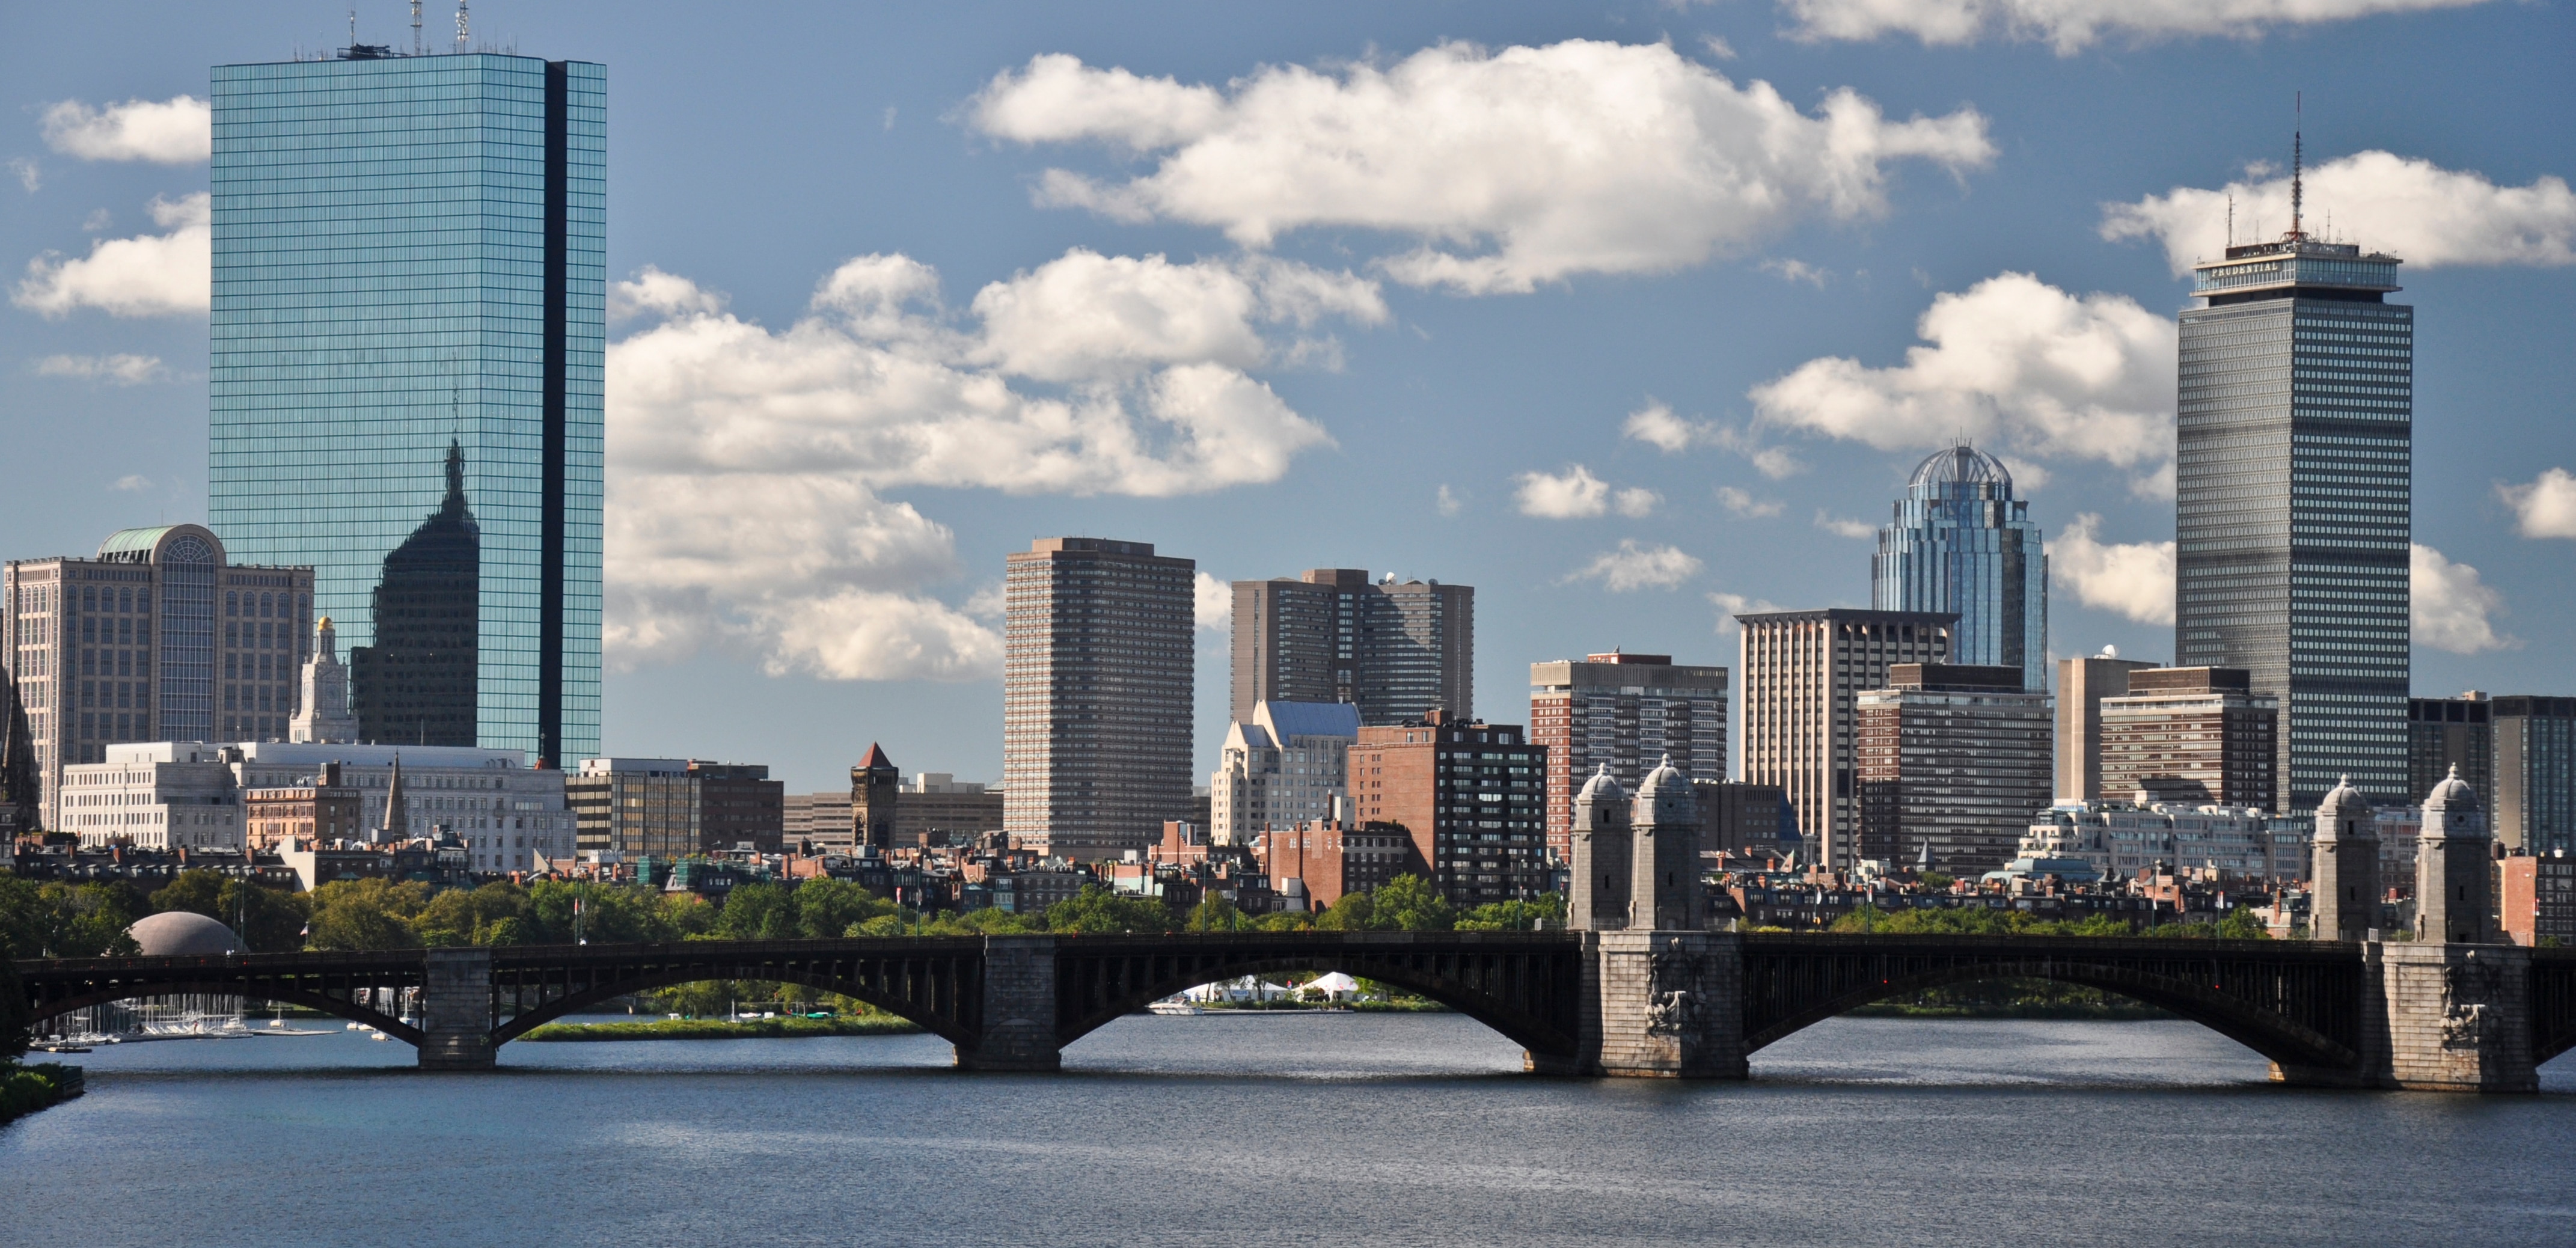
(407, 339)
(2294, 509)
(1962, 543)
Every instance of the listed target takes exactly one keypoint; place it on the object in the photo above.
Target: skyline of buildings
(1629, 711)
(408, 303)
(1398, 650)
(1803, 674)
(1949, 760)
(2194, 735)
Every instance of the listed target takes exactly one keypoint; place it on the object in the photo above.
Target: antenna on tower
(415, 28)
(2231, 218)
(353, 30)
(460, 26)
(2298, 159)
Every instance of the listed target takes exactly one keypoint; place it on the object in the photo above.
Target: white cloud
(1086, 315)
(1744, 504)
(2407, 207)
(132, 483)
(2546, 507)
(1212, 602)
(176, 131)
(2451, 605)
(1634, 567)
(1636, 503)
(154, 275)
(1510, 168)
(117, 370)
(1730, 606)
(2134, 579)
(1841, 527)
(743, 506)
(1657, 426)
(1797, 271)
(28, 175)
(2073, 25)
(1451, 502)
(2013, 361)
(1571, 495)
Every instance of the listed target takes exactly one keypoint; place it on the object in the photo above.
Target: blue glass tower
(407, 337)
(1961, 542)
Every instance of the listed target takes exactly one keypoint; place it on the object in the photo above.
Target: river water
(1278, 1129)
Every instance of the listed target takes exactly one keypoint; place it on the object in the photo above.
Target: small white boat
(1174, 1005)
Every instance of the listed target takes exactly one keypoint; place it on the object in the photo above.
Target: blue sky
(1617, 313)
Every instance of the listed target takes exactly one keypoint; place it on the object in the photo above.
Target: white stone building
(2123, 838)
(507, 813)
(1287, 766)
(154, 795)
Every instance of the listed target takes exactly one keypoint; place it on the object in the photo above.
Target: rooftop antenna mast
(2231, 218)
(2298, 162)
(416, 47)
(460, 26)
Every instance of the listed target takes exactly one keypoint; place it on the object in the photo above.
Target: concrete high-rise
(407, 337)
(2294, 478)
(1627, 711)
(157, 638)
(1803, 671)
(1473, 796)
(1289, 765)
(2082, 684)
(1952, 764)
(1398, 650)
(1961, 543)
(2447, 733)
(1096, 688)
(2191, 735)
(2535, 773)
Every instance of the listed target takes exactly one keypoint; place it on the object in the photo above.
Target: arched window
(232, 603)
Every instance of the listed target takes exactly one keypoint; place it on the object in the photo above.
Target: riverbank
(26, 1089)
(727, 1029)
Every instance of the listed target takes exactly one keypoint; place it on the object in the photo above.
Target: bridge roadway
(1676, 1004)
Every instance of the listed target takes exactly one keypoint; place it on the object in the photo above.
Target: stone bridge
(1686, 1004)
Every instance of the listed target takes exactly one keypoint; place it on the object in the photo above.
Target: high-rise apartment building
(157, 638)
(1953, 760)
(1629, 711)
(407, 337)
(1803, 672)
(1961, 543)
(2294, 509)
(1473, 796)
(1096, 687)
(1288, 766)
(2081, 686)
(1398, 650)
(2535, 773)
(676, 807)
(2191, 735)
(2443, 733)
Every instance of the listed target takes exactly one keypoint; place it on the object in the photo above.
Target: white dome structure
(182, 934)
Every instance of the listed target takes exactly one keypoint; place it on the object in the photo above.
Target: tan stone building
(2193, 735)
(325, 810)
(1803, 672)
(2081, 686)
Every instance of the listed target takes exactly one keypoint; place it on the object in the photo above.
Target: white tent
(1335, 985)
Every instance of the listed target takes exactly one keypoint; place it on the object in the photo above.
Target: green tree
(268, 920)
(1098, 910)
(758, 912)
(1350, 912)
(826, 908)
(57, 920)
(367, 914)
(1215, 914)
(1410, 903)
(1515, 915)
(490, 915)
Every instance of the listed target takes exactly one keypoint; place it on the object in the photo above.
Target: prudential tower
(2294, 499)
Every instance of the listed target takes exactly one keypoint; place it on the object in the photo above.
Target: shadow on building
(416, 685)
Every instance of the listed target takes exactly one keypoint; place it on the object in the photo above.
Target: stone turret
(2454, 875)
(874, 786)
(1664, 893)
(2343, 874)
(1602, 856)
(322, 715)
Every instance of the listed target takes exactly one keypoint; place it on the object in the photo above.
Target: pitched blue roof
(1309, 719)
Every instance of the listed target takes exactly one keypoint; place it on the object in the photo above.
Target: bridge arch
(933, 1021)
(2268, 1032)
(334, 1006)
(1510, 992)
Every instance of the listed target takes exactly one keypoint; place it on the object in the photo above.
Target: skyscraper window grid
(1961, 542)
(409, 255)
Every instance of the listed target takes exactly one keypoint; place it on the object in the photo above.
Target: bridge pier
(2449, 1017)
(1668, 1005)
(1017, 1019)
(456, 1010)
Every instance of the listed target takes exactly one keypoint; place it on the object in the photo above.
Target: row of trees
(2240, 923)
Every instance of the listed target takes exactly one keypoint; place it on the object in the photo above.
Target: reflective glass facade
(409, 290)
(2294, 509)
(1962, 543)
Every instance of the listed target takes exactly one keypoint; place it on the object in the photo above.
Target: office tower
(1473, 796)
(738, 806)
(1096, 682)
(1953, 759)
(874, 785)
(506, 813)
(2293, 513)
(635, 806)
(1397, 650)
(2444, 733)
(157, 638)
(1802, 672)
(1740, 818)
(2193, 735)
(938, 802)
(2081, 686)
(1290, 764)
(406, 347)
(1626, 710)
(2535, 773)
(1962, 543)
(322, 700)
